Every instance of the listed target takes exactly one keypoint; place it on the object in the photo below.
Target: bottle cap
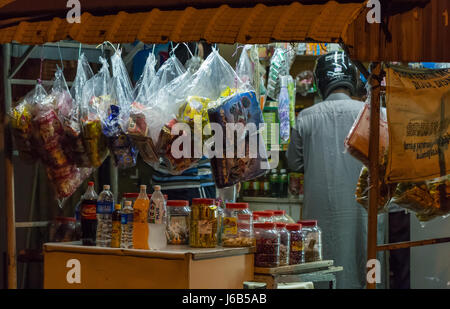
(117, 207)
(264, 213)
(157, 188)
(90, 183)
(265, 225)
(203, 201)
(128, 203)
(177, 203)
(280, 225)
(236, 205)
(294, 227)
(308, 222)
(143, 187)
(106, 187)
(279, 212)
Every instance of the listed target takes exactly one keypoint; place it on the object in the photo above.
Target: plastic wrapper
(96, 100)
(243, 108)
(428, 199)
(279, 65)
(137, 128)
(193, 64)
(357, 141)
(22, 127)
(73, 142)
(114, 126)
(245, 68)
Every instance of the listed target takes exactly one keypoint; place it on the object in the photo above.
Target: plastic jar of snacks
(285, 247)
(178, 212)
(237, 226)
(280, 216)
(264, 216)
(312, 240)
(296, 249)
(203, 225)
(267, 245)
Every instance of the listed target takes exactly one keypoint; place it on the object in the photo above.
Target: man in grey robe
(330, 173)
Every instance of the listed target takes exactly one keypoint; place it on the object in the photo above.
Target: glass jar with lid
(296, 255)
(280, 216)
(237, 226)
(312, 240)
(267, 245)
(203, 227)
(265, 215)
(178, 212)
(284, 243)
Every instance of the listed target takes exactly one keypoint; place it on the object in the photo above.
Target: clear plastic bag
(428, 199)
(96, 100)
(245, 68)
(114, 126)
(357, 140)
(22, 127)
(137, 127)
(73, 142)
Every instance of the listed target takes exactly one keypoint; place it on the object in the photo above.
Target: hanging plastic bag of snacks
(21, 124)
(73, 141)
(96, 99)
(137, 128)
(428, 199)
(114, 123)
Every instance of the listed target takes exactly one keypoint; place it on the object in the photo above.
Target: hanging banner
(418, 111)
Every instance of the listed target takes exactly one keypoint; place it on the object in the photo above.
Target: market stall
(224, 24)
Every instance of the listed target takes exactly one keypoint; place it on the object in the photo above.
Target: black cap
(335, 70)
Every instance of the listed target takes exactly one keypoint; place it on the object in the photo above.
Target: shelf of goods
(72, 266)
(292, 206)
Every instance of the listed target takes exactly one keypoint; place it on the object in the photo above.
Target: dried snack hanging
(96, 99)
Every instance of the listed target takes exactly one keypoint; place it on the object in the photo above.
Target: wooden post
(374, 169)
(6, 146)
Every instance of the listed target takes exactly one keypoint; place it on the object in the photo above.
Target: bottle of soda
(126, 223)
(157, 220)
(274, 184)
(140, 218)
(283, 183)
(116, 227)
(88, 215)
(105, 207)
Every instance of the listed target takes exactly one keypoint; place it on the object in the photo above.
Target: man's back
(331, 176)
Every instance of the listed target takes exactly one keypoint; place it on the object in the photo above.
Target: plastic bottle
(126, 223)
(116, 227)
(105, 208)
(283, 183)
(283, 110)
(88, 214)
(157, 220)
(140, 215)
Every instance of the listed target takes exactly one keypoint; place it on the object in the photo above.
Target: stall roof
(173, 20)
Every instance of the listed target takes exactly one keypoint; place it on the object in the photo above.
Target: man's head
(335, 72)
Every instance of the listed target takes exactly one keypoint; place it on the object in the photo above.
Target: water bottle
(105, 207)
(283, 110)
(126, 223)
(157, 220)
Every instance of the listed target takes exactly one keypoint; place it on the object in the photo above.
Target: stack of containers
(237, 226)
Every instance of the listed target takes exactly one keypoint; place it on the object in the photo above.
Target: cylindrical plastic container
(280, 216)
(264, 216)
(203, 223)
(178, 222)
(312, 240)
(285, 243)
(237, 226)
(296, 255)
(267, 245)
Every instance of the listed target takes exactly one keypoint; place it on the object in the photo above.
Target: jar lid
(177, 203)
(280, 225)
(265, 213)
(308, 222)
(237, 205)
(208, 201)
(265, 225)
(130, 195)
(294, 227)
(279, 212)
(90, 183)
